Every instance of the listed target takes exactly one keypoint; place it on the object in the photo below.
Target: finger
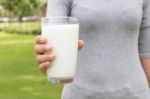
(42, 48)
(41, 40)
(45, 58)
(44, 66)
(81, 44)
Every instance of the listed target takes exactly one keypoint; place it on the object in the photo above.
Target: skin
(146, 66)
(44, 57)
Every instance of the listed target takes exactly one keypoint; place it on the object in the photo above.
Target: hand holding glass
(63, 34)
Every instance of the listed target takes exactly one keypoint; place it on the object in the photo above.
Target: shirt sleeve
(58, 8)
(144, 37)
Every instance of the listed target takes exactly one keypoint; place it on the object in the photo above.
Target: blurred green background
(19, 76)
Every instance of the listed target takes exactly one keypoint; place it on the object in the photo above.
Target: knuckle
(41, 49)
(37, 39)
(44, 65)
(41, 66)
(48, 48)
(47, 64)
(53, 57)
(48, 58)
(38, 49)
(38, 59)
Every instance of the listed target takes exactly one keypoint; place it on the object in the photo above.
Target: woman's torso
(108, 66)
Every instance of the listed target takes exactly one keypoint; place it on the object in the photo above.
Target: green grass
(19, 76)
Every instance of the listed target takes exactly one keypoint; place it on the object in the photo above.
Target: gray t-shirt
(116, 35)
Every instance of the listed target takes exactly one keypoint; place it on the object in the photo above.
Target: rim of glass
(58, 17)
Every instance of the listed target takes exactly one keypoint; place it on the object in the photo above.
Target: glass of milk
(63, 34)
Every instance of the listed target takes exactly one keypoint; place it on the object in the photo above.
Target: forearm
(146, 66)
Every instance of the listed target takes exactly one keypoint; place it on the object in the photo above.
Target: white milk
(64, 40)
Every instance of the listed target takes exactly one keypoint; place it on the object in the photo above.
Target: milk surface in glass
(62, 34)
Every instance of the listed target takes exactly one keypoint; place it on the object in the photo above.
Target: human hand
(44, 55)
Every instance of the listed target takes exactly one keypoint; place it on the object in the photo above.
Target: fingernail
(52, 56)
(47, 63)
(48, 47)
